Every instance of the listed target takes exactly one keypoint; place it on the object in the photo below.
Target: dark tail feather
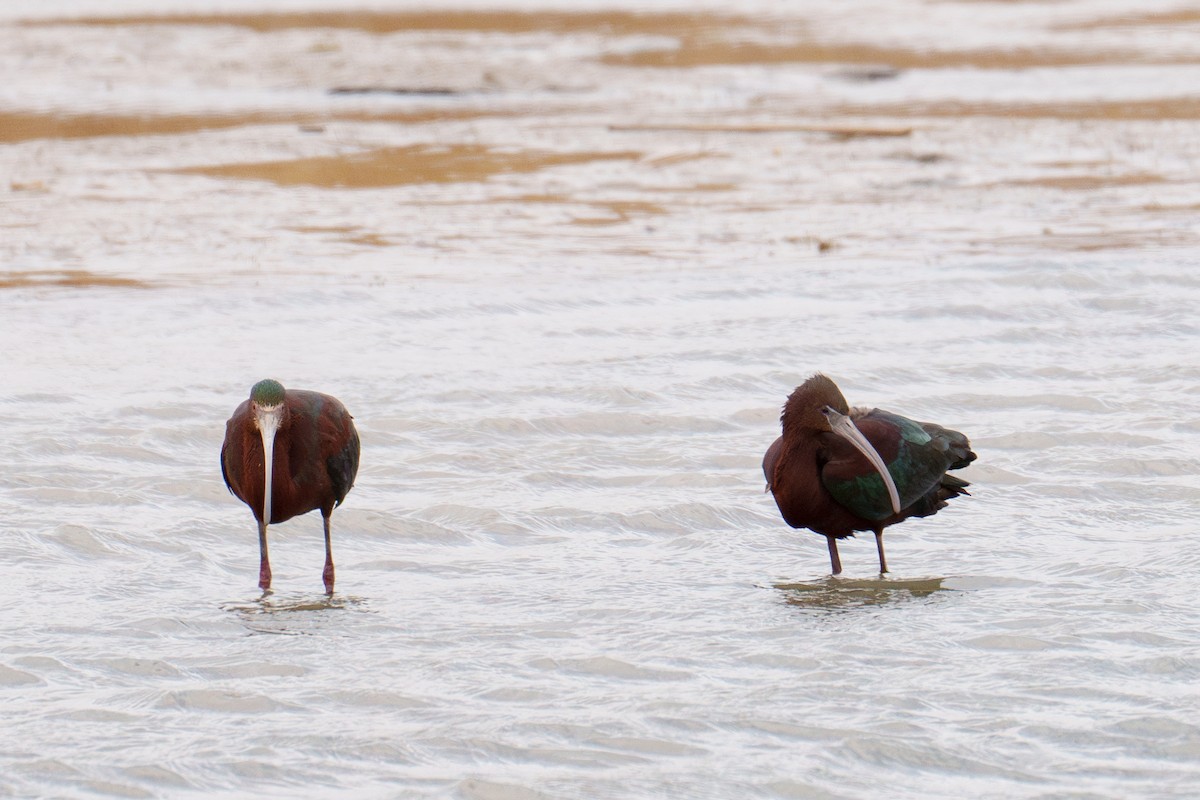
(952, 443)
(933, 502)
(956, 485)
(962, 458)
(960, 449)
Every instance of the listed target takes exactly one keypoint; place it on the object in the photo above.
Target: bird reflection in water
(294, 615)
(271, 603)
(840, 593)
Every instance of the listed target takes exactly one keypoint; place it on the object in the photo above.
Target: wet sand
(665, 100)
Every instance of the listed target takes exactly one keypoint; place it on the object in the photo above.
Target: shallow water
(564, 269)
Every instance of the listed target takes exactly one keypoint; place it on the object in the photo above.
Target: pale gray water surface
(565, 321)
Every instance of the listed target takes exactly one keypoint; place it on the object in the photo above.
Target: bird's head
(266, 405)
(817, 406)
(804, 409)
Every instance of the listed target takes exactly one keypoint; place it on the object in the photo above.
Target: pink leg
(328, 573)
(835, 561)
(264, 562)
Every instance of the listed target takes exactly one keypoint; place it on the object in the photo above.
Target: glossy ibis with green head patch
(288, 452)
(837, 470)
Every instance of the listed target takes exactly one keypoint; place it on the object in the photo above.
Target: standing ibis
(288, 452)
(837, 470)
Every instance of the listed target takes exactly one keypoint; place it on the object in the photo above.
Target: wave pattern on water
(544, 592)
(559, 575)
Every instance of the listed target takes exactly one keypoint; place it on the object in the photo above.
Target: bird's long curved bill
(268, 423)
(843, 426)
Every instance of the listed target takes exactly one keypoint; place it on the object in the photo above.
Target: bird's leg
(879, 546)
(328, 573)
(834, 561)
(264, 563)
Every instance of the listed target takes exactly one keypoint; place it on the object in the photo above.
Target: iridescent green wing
(917, 455)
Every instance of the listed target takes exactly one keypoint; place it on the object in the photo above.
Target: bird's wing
(343, 466)
(770, 460)
(917, 456)
(225, 472)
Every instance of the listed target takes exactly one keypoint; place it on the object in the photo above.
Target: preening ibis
(837, 470)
